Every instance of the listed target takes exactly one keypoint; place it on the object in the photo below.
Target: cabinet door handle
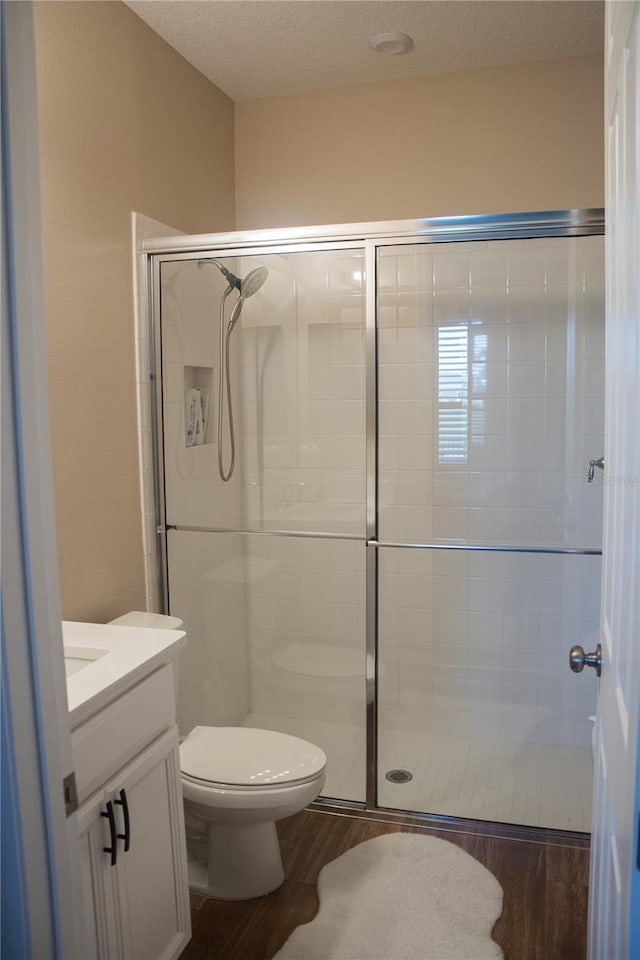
(113, 849)
(126, 836)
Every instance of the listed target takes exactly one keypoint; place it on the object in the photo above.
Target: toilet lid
(243, 756)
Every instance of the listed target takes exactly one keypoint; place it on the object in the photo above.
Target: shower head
(247, 287)
(250, 285)
(253, 281)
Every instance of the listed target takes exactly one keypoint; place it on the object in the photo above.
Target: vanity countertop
(109, 660)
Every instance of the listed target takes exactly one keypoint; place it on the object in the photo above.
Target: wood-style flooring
(545, 892)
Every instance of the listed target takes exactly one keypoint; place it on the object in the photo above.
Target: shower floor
(523, 783)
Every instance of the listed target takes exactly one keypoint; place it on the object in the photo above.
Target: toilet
(237, 782)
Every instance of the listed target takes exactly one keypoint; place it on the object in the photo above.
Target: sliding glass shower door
(490, 407)
(374, 500)
(263, 367)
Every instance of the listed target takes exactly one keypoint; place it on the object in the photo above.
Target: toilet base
(243, 862)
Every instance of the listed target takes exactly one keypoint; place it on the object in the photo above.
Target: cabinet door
(98, 882)
(151, 876)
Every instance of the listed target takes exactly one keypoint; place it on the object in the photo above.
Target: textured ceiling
(262, 48)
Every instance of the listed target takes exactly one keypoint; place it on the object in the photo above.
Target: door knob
(578, 659)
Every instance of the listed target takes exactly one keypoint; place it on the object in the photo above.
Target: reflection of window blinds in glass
(453, 394)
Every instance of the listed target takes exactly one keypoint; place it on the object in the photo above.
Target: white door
(614, 910)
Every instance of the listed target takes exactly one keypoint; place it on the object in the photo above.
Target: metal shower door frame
(370, 238)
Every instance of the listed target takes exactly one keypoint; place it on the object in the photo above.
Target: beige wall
(527, 137)
(126, 124)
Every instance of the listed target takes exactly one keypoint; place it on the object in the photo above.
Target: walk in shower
(408, 544)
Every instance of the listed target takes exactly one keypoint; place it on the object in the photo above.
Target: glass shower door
(490, 406)
(266, 567)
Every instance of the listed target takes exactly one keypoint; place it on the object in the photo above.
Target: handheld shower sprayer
(246, 288)
(253, 282)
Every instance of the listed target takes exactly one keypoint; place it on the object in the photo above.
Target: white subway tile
(451, 307)
(527, 378)
(487, 453)
(527, 305)
(559, 304)
(415, 344)
(414, 271)
(450, 523)
(526, 267)
(415, 523)
(451, 270)
(526, 342)
(489, 269)
(415, 418)
(414, 454)
(415, 488)
(489, 305)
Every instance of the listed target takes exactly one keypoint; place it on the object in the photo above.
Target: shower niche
(415, 406)
(198, 406)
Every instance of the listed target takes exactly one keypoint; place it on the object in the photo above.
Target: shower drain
(398, 776)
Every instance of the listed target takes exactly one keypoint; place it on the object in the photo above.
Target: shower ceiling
(262, 48)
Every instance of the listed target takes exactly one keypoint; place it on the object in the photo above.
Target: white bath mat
(399, 897)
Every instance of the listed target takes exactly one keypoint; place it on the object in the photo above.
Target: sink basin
(117, 657)
(77, 658)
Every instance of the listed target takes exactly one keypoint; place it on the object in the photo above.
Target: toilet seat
(235, 788)
(245, 758)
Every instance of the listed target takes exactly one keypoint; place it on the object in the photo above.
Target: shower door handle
(591, 475)
(578, 659)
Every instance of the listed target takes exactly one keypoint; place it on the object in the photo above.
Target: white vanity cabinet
(136, 897)
(131, 824)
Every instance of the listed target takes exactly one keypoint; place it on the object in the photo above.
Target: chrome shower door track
(545, 223)
(441, 823)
